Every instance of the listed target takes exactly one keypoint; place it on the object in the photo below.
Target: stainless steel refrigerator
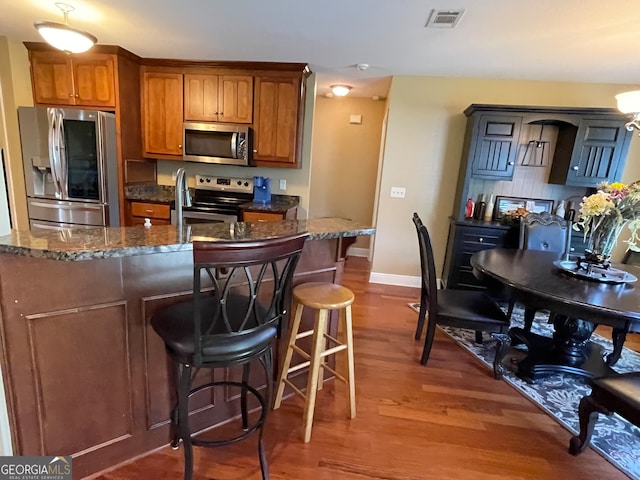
(70, 167)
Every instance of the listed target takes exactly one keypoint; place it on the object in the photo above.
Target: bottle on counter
(478, 210)
(560, 210)
(488, 211)
(468, 212)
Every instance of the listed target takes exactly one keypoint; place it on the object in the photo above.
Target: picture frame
(533, 205)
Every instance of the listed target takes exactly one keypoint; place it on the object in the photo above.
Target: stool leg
(322, 360)
(312, 382)
(184, 387)
(350, 361)
(243, 396)
(293, 331)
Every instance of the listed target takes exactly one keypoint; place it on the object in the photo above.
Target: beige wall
(15, 90)
(345, 159)
(423, 147)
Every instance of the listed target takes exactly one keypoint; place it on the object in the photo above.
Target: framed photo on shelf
(508, 204)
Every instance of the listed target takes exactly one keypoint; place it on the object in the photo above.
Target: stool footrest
(333, 350)
(304, 354)
(307, 333)
(338, 376)
(299, 366)
(294, 388)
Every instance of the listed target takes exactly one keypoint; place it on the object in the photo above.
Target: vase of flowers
(604, 214)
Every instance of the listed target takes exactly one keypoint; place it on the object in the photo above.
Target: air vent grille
(444, 18)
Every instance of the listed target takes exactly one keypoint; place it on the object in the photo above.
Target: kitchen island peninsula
(84, 374)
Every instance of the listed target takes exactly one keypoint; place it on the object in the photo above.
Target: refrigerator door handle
(53, 150)
(83, 207)
(62, 156)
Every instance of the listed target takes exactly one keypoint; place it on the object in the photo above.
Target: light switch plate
(283, 184)
(398, 192)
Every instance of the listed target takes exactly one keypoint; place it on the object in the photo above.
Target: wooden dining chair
(470, 309)
(541, 231)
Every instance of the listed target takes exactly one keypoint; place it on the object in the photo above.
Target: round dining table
(534, 279)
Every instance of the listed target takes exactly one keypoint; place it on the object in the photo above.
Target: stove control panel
(224, 184)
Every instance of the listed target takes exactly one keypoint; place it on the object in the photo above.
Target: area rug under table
(559, 394)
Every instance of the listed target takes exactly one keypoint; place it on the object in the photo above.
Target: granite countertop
(150, 192)
(108, 242)
(278, 204)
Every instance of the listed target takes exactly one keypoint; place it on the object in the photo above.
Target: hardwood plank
(450, 420)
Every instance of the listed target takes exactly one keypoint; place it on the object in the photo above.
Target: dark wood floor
(449, 420)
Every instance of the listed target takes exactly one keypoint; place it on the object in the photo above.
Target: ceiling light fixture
(629, 102)
(340, 90)
(62, 36)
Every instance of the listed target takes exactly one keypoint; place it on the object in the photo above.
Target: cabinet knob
(255, 151)
(71, 95)
(512, 163)
(575, 168)
(481, 239)
(180, 146)
(76, 95)
(221, 114)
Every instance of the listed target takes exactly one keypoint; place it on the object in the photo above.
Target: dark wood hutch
(591, 147)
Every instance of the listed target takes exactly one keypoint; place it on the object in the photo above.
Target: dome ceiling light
(340, 90)
(62, 36)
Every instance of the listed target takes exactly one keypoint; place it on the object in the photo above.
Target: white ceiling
(571, 40)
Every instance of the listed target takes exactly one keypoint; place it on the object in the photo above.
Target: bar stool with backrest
(239, 294)
(322, 297)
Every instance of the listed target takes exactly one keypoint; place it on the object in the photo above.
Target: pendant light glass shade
(62, 36)
(629, 102)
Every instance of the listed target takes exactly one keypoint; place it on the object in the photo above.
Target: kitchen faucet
(183, 198)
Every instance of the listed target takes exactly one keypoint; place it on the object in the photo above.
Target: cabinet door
(201, 98)
(276, 120)
(597, 153)
(52, 78)
(496, 146)
(162, 113)
(235, 97)
(93, 78)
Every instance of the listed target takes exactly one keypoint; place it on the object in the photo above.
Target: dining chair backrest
(428, 268)
(545, 231)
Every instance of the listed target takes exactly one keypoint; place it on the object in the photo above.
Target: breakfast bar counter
(84, 374)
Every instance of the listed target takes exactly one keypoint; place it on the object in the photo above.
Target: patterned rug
(614, 438)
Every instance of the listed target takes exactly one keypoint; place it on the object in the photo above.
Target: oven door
(191, 216)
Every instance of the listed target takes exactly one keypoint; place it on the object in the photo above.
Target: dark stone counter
(278, 204)
(150, 192)
(98, 242)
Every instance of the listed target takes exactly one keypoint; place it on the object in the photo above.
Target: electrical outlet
(283, 184)
(398, 192)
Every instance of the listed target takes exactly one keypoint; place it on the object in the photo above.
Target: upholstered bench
(615, 394)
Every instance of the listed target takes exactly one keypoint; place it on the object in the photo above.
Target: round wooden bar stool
(322, 297)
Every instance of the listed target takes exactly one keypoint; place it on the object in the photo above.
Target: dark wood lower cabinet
(85, 374)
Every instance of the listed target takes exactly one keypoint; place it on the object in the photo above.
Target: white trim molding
(358, 252)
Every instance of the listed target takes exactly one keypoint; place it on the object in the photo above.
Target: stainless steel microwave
(222, 143)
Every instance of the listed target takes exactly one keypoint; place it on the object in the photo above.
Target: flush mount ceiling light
(629, 102)
(62, 36)
(340, 90)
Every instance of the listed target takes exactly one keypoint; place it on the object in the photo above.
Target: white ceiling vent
(444, 18)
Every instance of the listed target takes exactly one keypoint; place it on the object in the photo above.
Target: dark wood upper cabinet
(86, 80)
(496, 146)
(593, 152)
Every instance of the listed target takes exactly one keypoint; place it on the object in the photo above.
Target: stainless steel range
(216, 199)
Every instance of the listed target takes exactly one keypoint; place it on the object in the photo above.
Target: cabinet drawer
(151, 210)
(477, 239)
(261, 217)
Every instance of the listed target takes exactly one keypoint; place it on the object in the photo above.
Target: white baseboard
(358, 252)
(392, 279)
(399, 280)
